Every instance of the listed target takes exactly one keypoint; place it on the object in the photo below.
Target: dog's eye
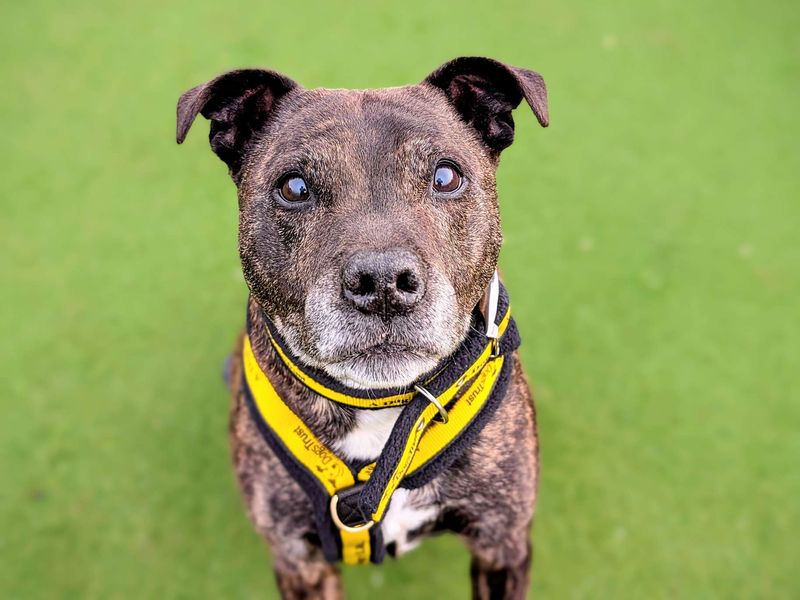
(293, 188)
(446, 178)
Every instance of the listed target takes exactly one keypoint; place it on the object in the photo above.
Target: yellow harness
(419, 440)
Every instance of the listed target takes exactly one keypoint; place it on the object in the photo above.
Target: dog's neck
(355, 434)
(353, 425)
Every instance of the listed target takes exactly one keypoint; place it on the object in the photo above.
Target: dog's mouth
(364, 350)
(382, 366)
(378, 359)
(386, 350)
(370, 364)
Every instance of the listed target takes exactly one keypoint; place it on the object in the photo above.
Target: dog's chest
(409, 509)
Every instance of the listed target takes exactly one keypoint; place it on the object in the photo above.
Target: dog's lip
(384, 349)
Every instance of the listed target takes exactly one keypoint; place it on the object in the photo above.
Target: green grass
(651, 250)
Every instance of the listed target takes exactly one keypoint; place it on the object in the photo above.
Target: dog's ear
(238, 104)
(485, 91)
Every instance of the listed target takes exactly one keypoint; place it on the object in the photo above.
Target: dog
(369, 234)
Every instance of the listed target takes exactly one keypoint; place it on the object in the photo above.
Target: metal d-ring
(341, 524)
(433, 400)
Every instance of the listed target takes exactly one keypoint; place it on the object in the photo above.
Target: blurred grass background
(651, 251)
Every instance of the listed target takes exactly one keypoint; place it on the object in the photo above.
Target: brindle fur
(369, 153)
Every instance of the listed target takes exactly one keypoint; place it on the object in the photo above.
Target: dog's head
(369, 225)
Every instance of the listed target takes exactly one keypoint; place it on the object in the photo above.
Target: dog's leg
(310, 581)
(501, 572)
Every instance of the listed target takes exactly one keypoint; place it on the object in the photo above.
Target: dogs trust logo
(313, 445)
(487, 373)
(330, 469)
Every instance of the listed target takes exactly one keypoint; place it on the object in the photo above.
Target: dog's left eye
(293, 188)
(446, 178)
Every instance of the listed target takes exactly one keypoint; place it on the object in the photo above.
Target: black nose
(386, 282)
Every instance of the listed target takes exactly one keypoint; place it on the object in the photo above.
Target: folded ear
(485, 91)
(238, 104)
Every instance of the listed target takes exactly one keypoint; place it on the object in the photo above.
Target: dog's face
(369, 225)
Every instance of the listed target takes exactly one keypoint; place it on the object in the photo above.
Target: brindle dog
(369, 230)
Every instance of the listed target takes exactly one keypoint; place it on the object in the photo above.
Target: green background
(651, 250)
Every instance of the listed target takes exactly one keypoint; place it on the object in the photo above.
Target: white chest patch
(409, 509)
(368, 437)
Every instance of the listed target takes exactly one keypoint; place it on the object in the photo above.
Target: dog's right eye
(293, 188)
(446, 178)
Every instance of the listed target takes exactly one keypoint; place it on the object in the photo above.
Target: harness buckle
(433, 400)
(337, 520)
